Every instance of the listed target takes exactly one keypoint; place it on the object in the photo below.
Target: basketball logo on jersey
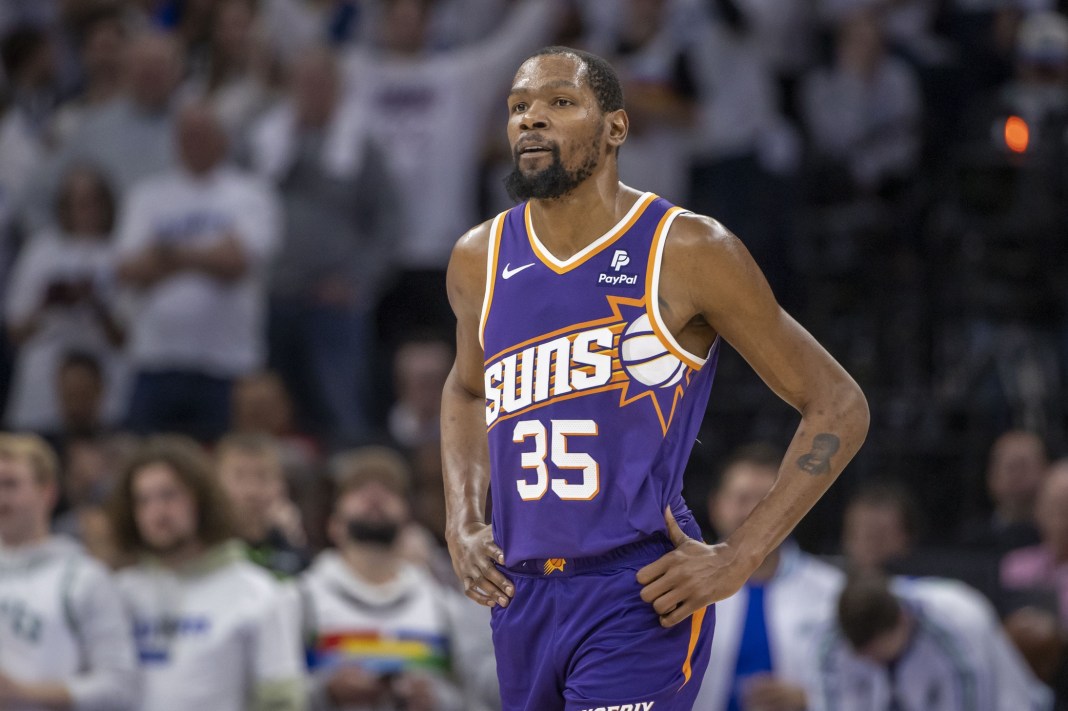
(553, 565)
(618, 352)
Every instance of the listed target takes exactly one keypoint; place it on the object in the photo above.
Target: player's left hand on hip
(691, 577)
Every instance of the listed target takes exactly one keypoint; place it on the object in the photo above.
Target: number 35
(563, 459)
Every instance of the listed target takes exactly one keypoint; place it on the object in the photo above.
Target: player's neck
(568, 224)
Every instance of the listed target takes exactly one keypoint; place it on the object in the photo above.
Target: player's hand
(765, 692)
(474, 555)
(691, 577)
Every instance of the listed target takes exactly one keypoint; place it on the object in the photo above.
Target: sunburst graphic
(643, 368)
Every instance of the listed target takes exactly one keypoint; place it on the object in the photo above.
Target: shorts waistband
(643, 551)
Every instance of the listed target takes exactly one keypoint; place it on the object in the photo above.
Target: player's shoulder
(467, 265)
(693, 232)
(476, 241)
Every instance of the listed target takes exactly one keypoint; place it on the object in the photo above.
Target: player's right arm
(464, 447)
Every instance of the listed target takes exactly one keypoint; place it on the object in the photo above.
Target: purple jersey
(592, 407)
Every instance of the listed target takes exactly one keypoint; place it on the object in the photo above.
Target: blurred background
(223, 216)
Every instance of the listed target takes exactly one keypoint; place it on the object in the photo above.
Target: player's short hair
(193, 469)
(601, 76)
(34, 452)
(254, 443)
(867, 608)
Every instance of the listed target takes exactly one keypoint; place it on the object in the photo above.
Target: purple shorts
(578, 637)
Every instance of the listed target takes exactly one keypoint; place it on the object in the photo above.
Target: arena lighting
(1017, 134)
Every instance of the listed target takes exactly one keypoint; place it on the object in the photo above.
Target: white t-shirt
(192, 321)
(410, 623)
(429, 114)
(214, 636)
(61, 621)
(52, 257)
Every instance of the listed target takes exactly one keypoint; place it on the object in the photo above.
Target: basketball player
(590, 318)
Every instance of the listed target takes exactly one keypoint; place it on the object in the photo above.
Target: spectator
(1014, 475)
(194, 244)
(881, 527)
(294, 26)
(233, 79)
(654, 47)
(80, 389)
(263, 405)
(102, 41)
(340, 213)
(921, 644)
(210, 626)
(90, 467)
(764, 632)
(128, 138)
(863, 113)
(1037, 634)
(61, 299)
(65, 640)
(1045, 566)
(420, 367)
(429, 117)
(250, 470)
(29, 64)
(357, 600)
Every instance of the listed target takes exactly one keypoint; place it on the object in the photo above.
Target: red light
(1017, 134)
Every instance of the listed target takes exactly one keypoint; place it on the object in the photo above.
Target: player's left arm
(709, 280)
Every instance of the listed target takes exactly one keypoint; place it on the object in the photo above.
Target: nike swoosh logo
(509, 273)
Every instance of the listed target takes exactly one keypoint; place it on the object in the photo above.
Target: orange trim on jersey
(695, 632)
(618, 379)
(650, 296)
(491, 275)
(566, 265)
(613, 320)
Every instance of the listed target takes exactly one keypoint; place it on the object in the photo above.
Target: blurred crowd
(224, 226)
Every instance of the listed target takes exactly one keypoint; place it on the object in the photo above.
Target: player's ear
(618, 124)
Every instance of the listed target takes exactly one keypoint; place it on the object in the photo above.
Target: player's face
(744, 486)
(164, 509)
(556, 128)
(24, 502)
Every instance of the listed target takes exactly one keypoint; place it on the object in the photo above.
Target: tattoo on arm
(818, 461)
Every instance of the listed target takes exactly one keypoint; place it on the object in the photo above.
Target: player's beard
(551, 182)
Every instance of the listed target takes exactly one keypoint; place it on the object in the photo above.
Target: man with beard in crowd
(382, 634)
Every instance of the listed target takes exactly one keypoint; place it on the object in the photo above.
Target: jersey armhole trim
(491, 273)
(652, 293)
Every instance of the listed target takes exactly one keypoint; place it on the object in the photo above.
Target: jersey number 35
(560, 457)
